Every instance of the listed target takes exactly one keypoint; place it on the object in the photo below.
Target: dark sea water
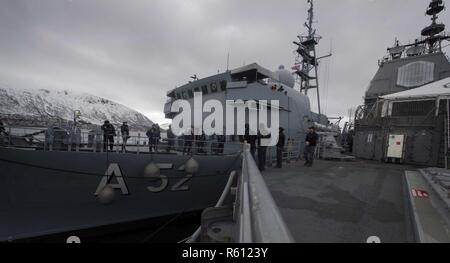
(170, 229)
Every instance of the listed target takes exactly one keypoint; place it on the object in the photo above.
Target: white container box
(395, 146)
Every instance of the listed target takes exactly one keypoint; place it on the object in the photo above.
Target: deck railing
(259, 219)
(66, 140)
(253, 215)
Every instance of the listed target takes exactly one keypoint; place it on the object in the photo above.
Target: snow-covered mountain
(46, 104)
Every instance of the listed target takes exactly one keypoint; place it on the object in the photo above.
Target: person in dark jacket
(221, 139)
(2, 127)
(262, 151)
(200, 143)
(188, 138)
(310, 147)
(2, 132)
(280, 148)
(250, 139)
(157, 136)
(125, 131)
(151, 141)
(170, 139)
(108, 135)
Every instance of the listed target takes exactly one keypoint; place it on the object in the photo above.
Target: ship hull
(44, 193)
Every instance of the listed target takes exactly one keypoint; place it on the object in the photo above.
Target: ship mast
(431, 41)
(306, 62)
(433, 32)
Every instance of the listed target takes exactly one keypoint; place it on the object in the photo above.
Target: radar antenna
(306, 62)
(433, 32)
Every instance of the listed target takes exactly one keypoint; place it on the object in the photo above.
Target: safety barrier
(253, 216)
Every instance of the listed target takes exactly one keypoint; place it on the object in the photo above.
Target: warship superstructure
(253, 82)
(392, 119)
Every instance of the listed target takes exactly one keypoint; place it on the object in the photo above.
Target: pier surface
(342, 201)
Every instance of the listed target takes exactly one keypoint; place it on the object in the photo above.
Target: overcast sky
(134, 51)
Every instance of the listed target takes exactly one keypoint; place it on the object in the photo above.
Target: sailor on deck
(108, 135)
(125, 131)
(170, 139)
(250, 139)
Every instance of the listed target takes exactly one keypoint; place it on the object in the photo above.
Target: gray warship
(60, 180)
(47, 192)
(61, 184)
(407, 98)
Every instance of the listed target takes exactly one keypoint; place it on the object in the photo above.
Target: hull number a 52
(160, 182)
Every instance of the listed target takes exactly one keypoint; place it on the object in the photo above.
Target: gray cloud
(134, 51)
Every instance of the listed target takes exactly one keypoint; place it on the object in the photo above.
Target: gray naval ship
(60, 185)
(67, 181)
(407, 98)
(405, 119)
(56, 191)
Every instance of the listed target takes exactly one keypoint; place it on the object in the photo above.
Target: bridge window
(191, 94)
(415, 74)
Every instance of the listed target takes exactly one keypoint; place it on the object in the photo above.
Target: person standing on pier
(310, 147)
(280, 148)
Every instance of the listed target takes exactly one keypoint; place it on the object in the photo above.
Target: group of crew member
(255, 142)
(109, 132)
(197, 143)
(191, 140)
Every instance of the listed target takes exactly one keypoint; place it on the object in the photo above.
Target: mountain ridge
(48, 105)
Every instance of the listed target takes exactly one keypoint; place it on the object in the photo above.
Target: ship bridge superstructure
(409, 66)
